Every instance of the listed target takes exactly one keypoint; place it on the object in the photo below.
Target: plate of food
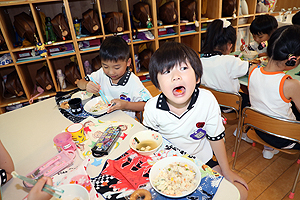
(83, 95)
(175, 176)
(97, 106)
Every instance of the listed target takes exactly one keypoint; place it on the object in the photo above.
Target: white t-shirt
(266, 93)
(202, 116)
(222, 72)
(128, 88)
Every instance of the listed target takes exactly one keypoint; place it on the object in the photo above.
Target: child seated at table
(261, 29)
(186, 115)
(6, 165)
(221, 70)
(273, 92)
(115, 79)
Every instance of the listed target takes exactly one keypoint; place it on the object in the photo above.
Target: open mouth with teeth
(178, 91)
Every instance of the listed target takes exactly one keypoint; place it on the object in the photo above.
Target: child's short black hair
(218, 37)
(284, 42)
(114, 48)
(170, 54)
(263, 24)
(296, 18)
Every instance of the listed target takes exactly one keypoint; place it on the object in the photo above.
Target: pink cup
(63, 142)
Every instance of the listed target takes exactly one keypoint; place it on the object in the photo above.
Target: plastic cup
(64, 142)
(76, 105)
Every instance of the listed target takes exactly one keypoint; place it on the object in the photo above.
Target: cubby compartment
(117, 6)
(86, 17)
(62, 63)
(38, 74)
(90, 61)
(142, 55)
(14, 96)
(168, 12)
(142, 14)
(192, 41)
(89, 44)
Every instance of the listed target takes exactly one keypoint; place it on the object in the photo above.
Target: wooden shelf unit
(74, 9)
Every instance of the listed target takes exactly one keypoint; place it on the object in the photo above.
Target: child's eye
(166, 72)
(183, 68)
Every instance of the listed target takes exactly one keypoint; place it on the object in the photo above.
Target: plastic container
(77, 27)
(61, 79)
(64, 142)
(87, 67)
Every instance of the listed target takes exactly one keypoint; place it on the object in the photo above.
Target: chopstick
(100, 92)
(33, 182)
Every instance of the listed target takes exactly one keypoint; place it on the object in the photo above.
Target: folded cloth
(122, 176)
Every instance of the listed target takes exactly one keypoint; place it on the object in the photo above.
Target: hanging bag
(44, 79)
(144, 58)
(188, 10)
(141, 12)
(96, 63)
(114, 22)
(13, 84)
(168, 13)
(72, 73)
(228, 8)
(90, 21)
(60, 26)
(25, 27)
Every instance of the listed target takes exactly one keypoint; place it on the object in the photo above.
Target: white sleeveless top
(266, 93)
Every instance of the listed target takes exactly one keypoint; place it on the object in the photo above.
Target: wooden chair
(283, 128)
(229, 100)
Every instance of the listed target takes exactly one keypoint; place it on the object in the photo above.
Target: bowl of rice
(97, 106)
(83, 95)
(175, 176)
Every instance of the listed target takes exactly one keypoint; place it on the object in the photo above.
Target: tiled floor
(267, 179)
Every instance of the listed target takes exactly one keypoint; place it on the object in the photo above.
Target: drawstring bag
(168, 13)
(90, 21)
(141, 12)
(13, 84)
(25, 27)
(144, 58)
(114, 22)
(96, 63)
(188, 10)
(60, 26)
(72, 73)
(228, 8)
(44, 79)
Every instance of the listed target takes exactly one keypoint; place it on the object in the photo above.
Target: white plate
(162, 164)
(89, 105)
(71, 191)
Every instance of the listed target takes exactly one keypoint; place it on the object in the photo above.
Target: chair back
(284, 128)
(227, 99)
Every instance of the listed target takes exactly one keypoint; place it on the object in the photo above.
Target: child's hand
(119, 104)
(92, 87)
(233, 177)
(36, 192)
(242, 48)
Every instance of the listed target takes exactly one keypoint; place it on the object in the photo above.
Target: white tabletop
(27, 134)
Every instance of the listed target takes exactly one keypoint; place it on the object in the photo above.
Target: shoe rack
(74, 8)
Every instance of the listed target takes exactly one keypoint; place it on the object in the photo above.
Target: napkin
(122, 176)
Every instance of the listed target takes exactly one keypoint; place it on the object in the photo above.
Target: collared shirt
(3, 176)
(222, 72)
(128, 88)
(192, 129)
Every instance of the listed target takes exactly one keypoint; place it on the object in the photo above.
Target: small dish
(83, 95)
(143, 139)
(250, 55)
(91, 108)
(73, 191)
(163, 164)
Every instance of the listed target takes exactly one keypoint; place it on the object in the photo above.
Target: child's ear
(198, 80)
(128, 62)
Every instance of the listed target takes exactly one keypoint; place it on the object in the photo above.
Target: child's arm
(36, 192)
(220, 152)
(262, 54)
(89, 86)
(126, 105)
(289, 88)
(6, 162)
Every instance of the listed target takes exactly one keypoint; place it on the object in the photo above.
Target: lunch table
(28, 132)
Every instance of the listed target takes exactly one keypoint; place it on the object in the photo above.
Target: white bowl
(71, 191)
(83, 95)
(250, 55)
(88, 107)
(146, 138)
(162, 165)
